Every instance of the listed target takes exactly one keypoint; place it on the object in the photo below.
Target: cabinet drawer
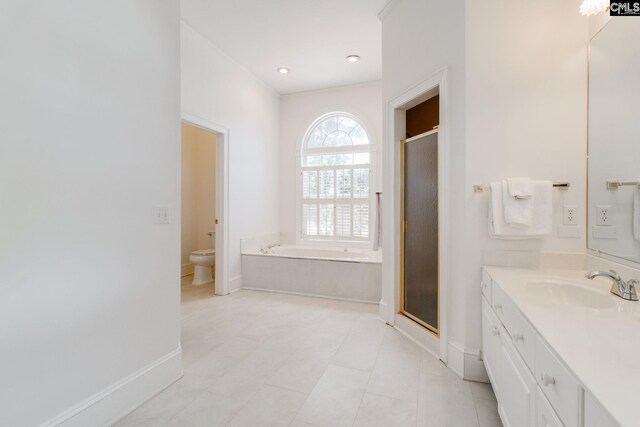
(557, 384)
(485, 284)
(500, 303)
(504, 308)
(524, 338)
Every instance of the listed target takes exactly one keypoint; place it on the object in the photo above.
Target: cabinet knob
(518, 337)
(484, 285)
(497, 306)
(495, 330)
(547, 379)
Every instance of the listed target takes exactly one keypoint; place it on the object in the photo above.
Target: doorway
(419, 309)
(198, 202)
(204, 205)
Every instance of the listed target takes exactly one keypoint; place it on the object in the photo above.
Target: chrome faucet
(625, 290)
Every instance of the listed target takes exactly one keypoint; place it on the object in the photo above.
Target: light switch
(161, 214)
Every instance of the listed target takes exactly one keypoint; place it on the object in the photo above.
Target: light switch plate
(161, 214)
(607, 232)
(571, 231)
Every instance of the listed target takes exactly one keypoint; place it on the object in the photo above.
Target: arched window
(336, 172)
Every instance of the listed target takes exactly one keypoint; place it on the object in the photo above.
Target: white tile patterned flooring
(263, 359)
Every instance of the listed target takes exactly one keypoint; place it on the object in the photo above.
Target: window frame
(303, 151)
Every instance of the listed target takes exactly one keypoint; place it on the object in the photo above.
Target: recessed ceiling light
(283, 70)
(353, 58)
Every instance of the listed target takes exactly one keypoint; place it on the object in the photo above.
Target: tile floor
(262, 359)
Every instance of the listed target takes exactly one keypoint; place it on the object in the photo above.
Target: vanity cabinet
(545, 415)
(532, 385)
(517, 383)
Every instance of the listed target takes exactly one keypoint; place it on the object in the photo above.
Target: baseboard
(186, 269)
(466, 363)
(474, 369)
(116, 401)
(384, 314)
(455, 354)
(418, 334)
(235, 283)
(308, 295)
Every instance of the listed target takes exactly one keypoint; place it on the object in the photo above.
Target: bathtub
(302, 252)
(351, 274)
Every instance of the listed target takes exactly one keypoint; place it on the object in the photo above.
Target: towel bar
(613, 185)
(479, 188)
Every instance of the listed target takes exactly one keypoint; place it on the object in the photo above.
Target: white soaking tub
(352, 274)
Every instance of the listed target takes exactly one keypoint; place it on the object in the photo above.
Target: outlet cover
(570, 216)
(603, 215)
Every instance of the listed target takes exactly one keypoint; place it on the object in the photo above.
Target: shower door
(419, 234)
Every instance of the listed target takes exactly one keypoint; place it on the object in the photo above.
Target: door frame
(222, 197)
(395, 132)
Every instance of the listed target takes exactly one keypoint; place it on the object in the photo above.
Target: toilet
(202, 261)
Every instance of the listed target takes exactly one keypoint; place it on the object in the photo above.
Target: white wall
(217, 89)
(517, 107)
(418, 38)
(526, 116)
(89, 143)
(198, 190)
(299, 111)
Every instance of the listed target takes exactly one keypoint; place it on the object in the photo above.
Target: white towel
(518, 212)
(520, 188)
(636, 213)
(541, 218)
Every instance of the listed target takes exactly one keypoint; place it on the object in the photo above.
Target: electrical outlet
(161, 214)
(570, 215)
(603, 215)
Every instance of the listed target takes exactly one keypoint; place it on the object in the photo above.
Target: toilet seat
(204, 252)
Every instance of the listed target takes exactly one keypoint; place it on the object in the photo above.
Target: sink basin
(566, 294)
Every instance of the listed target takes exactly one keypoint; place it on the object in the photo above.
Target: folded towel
(541, 217)
(636, 213)
(520, 188)
(517, 211)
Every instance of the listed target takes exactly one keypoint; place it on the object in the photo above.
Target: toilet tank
(212, 236)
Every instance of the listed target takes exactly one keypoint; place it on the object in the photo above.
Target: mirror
(614, 140)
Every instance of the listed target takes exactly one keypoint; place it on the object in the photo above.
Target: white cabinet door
(517, 386)
(490, 342)
(545, 415)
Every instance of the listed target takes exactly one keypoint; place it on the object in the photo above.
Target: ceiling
(310, 37)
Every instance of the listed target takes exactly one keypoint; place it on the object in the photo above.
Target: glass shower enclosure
(419, 234)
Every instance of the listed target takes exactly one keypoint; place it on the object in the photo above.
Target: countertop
(601, 346)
